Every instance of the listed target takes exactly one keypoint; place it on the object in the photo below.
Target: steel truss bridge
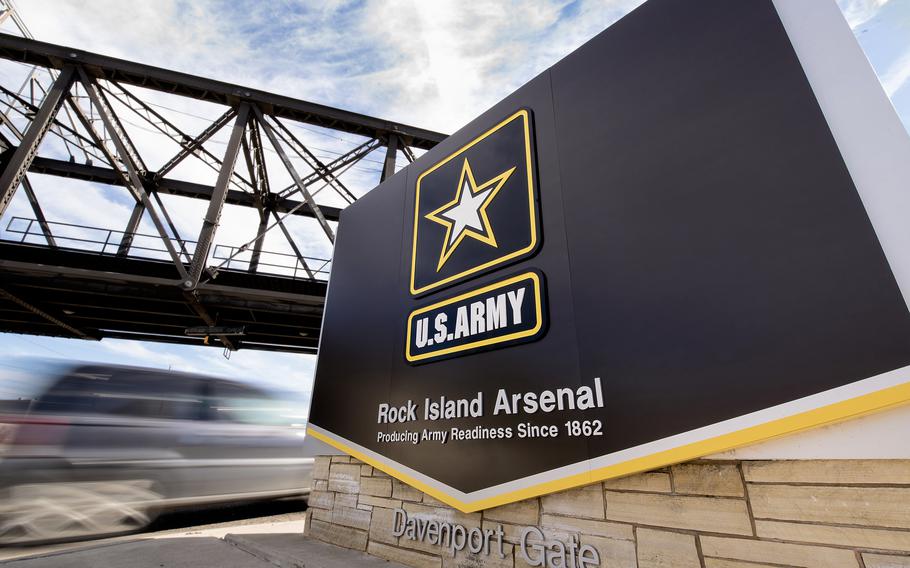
(69, 119)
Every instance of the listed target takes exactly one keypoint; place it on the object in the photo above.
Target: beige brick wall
(703, 514)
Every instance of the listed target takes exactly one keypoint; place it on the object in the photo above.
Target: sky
(433, 64)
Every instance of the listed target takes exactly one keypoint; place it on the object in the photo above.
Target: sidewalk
(254, 546)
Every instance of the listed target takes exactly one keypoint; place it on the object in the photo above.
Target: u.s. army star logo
(476, 209)
(466, 215)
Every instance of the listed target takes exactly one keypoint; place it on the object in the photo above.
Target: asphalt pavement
(267, 517)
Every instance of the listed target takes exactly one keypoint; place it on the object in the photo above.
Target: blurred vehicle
(91, 449)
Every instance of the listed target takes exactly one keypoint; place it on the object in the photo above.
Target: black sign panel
(712, 277)
(496, 315)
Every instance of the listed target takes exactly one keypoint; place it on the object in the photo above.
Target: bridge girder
(78, 103)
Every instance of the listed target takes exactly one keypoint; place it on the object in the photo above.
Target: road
(253, 517)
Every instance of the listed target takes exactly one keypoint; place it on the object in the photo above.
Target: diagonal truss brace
(213, 214)
(134, 181)
(18, 164)
(308, 199)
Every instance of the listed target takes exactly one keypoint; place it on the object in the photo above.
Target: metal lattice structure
(75, 117)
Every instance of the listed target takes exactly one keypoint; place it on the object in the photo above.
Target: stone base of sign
(703, 514)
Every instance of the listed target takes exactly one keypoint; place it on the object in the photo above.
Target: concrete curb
(293, 550)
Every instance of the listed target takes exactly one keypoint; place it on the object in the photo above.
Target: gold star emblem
(466, 215)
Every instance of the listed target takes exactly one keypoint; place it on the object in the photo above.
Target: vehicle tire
(51, 512)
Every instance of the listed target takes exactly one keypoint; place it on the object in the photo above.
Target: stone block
(344, 478)
(432, 501)
(724, 563)
(831, 472)
(321, 467)
(662, 549)
(586, 502)
(379, 502)
(321, 500)
(885, 561)
(403, 556)
(378, 486)
(320, 515)
(857, 537)
(321, 484)
(381, 526)
(709, 514)
(493, 560)
(869, 506)
(338, 535)
(554, 524)
(342, 459)
(524, 512)
(354, 518)
(613, 553)
(804, 556)
(405, 492)
(654, 482)
(723, 480)
(345, 500)
(366, 471)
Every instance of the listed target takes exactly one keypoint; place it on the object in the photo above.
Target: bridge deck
(107, 296)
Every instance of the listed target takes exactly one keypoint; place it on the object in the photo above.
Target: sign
(678, 240)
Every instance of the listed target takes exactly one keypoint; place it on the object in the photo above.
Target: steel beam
(195, 145)
(21, 159)
(388, 166)
(338, 164)
(408, 153)
(126, 72)
(170, 223)
(260, 236)
(131, 227)
(114, 129)
(295, 176)
(97, 174)
(319, 168)
(39, 213)
(290, 239)
(216, 204)
(41, 313)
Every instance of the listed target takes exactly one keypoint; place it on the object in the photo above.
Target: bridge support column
(388, 167)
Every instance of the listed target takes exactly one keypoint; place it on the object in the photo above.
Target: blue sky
(434, 64)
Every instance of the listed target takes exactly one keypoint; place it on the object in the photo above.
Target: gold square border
(525, 115)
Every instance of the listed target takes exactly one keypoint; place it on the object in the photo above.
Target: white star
(467, 212)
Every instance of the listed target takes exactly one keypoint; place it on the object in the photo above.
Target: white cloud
(897, 74)
(858, 12)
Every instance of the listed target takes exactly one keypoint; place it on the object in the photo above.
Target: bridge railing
(271, 262)
(111, 242)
